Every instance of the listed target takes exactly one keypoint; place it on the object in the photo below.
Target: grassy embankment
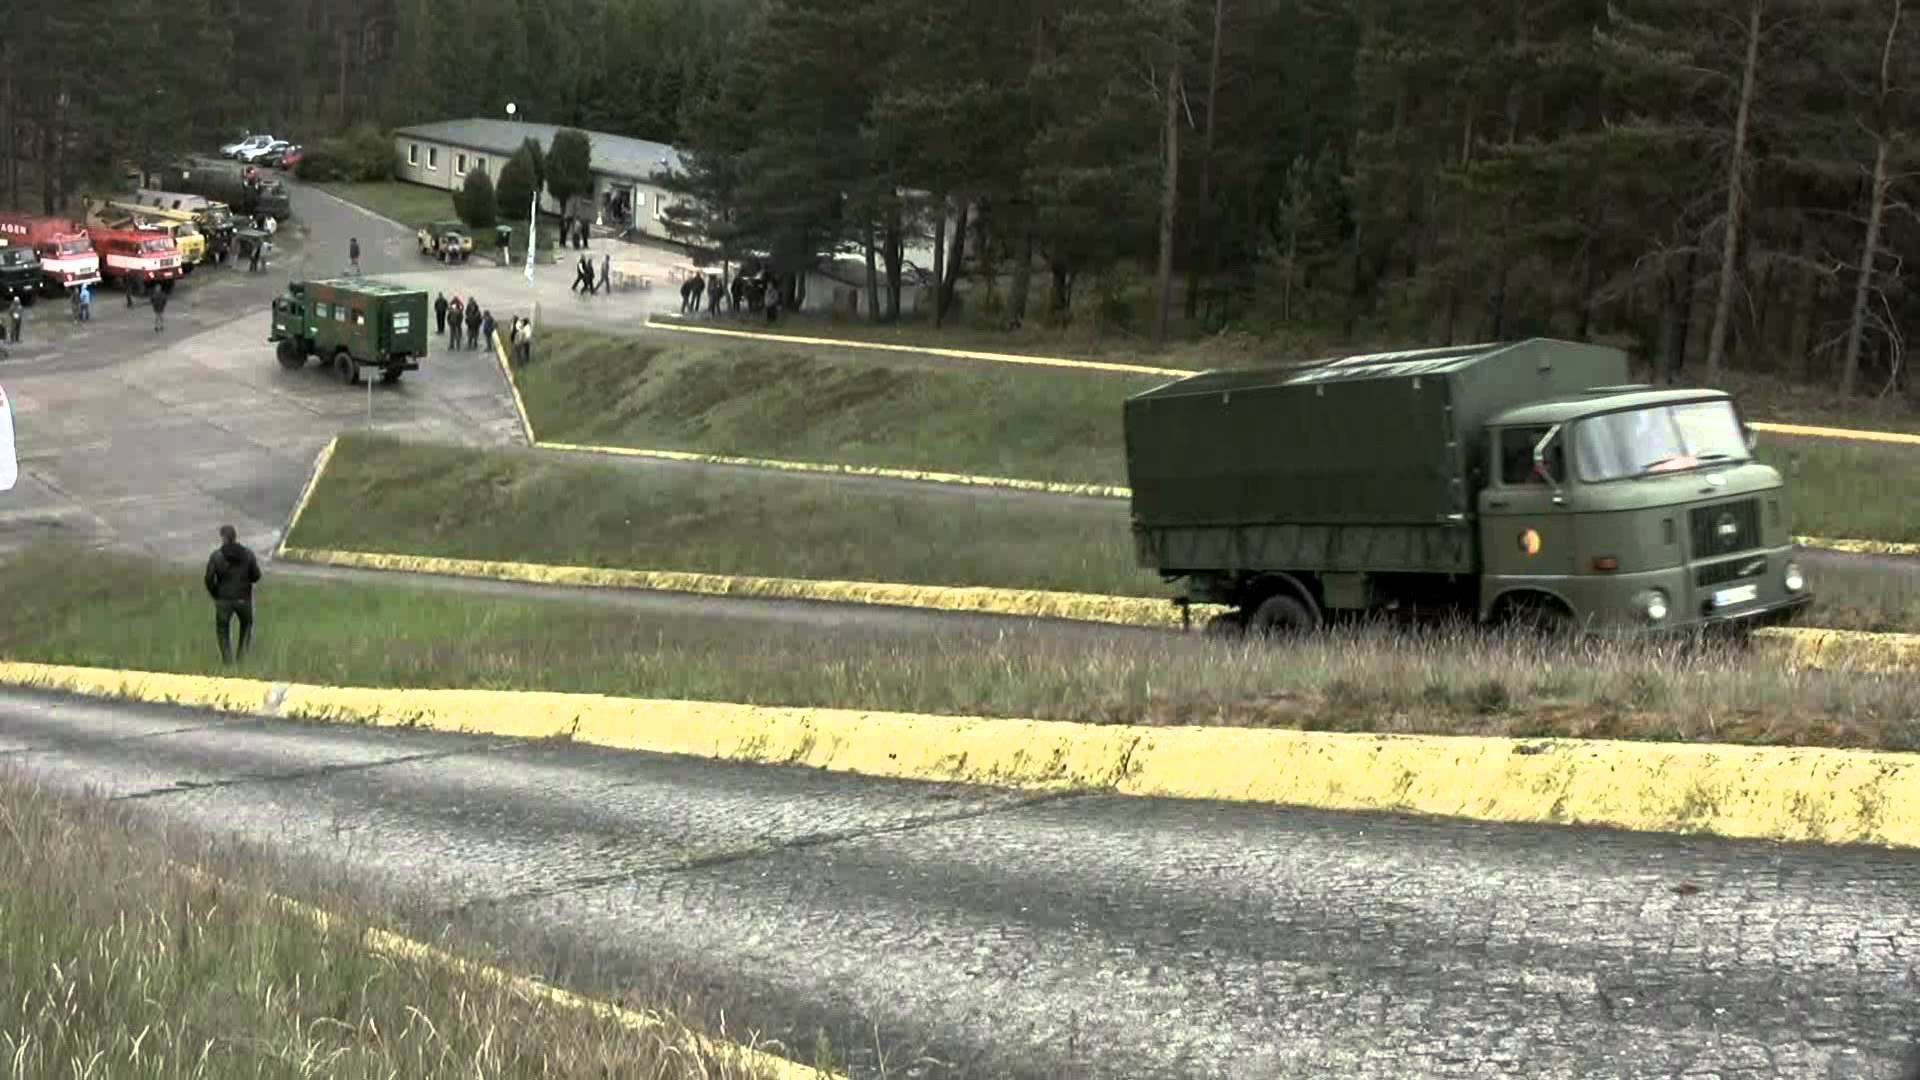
(135, 614)
(552, 509)
(118, 961)
(812, 404)
(414, 205)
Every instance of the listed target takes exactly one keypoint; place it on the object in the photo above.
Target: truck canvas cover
(1378, 440)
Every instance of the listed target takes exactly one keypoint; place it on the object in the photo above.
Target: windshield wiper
(1656, 464)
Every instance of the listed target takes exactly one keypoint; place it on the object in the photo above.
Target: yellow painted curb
(320, 463)
(1033, 603)
(1896, 437)
(513, 384)
(527, 988)
(1858, 547)
(654, 323)
(1049, 487)
(1792, 794)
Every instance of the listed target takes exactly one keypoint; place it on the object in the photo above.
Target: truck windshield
(1659, 439)
(156, 247)
(74, 247)
(15, 256)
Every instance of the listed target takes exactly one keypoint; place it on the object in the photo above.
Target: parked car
(277, 159)
(290, 160)
(253, 155)
(251, 142)
(446, 240)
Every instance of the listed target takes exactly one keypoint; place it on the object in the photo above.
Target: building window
(433, 157)
(413, 154)
(462, 163)
(480, 163)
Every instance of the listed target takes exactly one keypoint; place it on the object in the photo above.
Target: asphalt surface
(961, 931)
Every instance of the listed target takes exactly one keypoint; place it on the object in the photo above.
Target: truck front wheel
(1282, 615)
(292, 357)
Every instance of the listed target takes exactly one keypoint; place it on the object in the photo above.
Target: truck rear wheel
(291, 356)
(344, 366)
(1281, 615)
(391, 375)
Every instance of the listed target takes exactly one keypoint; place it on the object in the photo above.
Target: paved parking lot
(150, 440)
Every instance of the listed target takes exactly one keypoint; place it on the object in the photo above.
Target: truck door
(359, 335)
(1525, 529)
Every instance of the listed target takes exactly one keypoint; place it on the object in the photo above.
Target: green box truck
(1522, 482)
(351, 323)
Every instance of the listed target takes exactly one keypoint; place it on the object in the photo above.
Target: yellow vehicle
(177, 224)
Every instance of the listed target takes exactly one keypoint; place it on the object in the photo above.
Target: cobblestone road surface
(969, 932)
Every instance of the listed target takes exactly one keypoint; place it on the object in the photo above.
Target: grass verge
(387, 496)
(414, 205)
(807, 404)
(120, 962)
(134, 614)
(851, 408)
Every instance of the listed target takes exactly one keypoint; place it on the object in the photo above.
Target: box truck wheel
(292, 357)
(344, 367)
(1282, 614)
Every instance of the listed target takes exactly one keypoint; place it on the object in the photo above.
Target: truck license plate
(1730, 597)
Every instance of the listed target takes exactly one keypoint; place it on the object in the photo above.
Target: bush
(475, 203)
(515, 190)
(364, 154)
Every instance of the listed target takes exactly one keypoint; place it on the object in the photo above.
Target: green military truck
(351, 323)
(1521, 482)
(20, 274)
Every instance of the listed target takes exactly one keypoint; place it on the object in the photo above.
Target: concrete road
(972, 932)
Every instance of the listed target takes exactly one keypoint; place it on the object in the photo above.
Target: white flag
(9, 465)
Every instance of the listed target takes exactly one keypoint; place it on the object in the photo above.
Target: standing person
(232, 572)
(504, 239)
(353, 255)
(158, 297)
(253, 255)
(16, 314)
(454, 315)
(606, 273)
(526, 342)
(489, 328)
(439, 313)
(86, 303)
(473, 323)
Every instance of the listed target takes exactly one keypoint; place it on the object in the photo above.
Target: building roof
(614, 155)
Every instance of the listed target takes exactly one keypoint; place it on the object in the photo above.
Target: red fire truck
(67, 257)
(135, 258)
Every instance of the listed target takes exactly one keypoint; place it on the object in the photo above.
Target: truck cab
(1633, 506)
(19, 273)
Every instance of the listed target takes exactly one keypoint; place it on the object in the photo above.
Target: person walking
(232, 572)
(86, 303)
(526, 342)
(606, 273)
(16, 315)
(473, 323)
(353, 255)
(158, 298)
(253, 256)
(454, 315)
(488, 328)
(439, 313)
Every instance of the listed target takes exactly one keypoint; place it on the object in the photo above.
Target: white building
(625, 171)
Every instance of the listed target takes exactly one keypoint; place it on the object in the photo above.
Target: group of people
(757, 292)
(451, 316)
(82, 300)
(522, 341)
(583, 281)
(574, 232)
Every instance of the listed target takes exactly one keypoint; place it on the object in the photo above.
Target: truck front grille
(1732, 570)
(1725, 528)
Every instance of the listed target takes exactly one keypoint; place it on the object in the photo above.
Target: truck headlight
(1793, 579)
(1652, 605)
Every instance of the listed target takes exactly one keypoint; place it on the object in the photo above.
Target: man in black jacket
(231, 573)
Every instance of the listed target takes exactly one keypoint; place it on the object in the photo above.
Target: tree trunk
(1061, 302)
(1583, 320)
(1169, 200)
(873, 275)
(1736, 196)
(1876, 210)
(1800, 328)
(1204, 216)
(1022, 282)
(939, 256)
(894, 256)
(1682, 327)
(943, 303)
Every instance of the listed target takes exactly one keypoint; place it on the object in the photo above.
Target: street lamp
(533, 212)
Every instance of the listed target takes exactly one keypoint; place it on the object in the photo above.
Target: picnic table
(630, 275)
